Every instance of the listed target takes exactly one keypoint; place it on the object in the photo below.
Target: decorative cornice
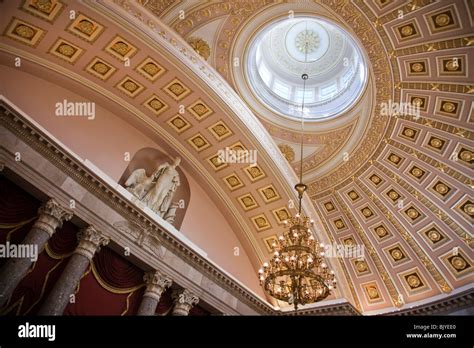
(70, 165)
(345, 309)
(444, 306)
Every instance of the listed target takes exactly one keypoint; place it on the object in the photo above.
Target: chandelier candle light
(297, 273)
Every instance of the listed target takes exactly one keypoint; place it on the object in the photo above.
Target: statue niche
(157, 191)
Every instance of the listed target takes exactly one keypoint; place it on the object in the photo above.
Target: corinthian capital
(51, 215)
(183, 301)
(156, 284)
(53, 208)
(90, 241)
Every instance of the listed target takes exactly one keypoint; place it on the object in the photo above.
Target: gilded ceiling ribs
(439, 87)
(439, 213)
(424, 259)
(395, 13)
(384, 59)
(357, 21)
(435, 46)
(410, 85)
(236, 12)
(386, 43)
(436, 165)
(462, 133)
(390, 286)
(197, 18)
(159, 7)
(342, 264)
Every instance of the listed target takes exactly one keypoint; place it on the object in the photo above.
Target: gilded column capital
(90, 241)
(51, 215)
(156, 283)
(184, 300)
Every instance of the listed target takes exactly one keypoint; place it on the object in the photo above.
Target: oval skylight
(284, 50)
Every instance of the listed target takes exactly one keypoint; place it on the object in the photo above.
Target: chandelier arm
(295, 292)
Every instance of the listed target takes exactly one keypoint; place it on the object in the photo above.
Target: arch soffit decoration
(195, 76)
(428, 33)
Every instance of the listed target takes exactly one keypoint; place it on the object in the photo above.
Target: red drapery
(18, 211)
(116, 270)
(111, 286)
(15, 203)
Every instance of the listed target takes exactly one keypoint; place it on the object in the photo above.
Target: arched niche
(149, 159)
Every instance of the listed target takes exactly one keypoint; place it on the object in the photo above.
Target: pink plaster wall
(203, 226)
(103, 141)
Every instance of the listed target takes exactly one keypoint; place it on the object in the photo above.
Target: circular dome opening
(284, 50)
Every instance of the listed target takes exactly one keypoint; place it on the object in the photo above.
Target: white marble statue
(157, 190)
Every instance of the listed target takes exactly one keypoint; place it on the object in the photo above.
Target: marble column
(50, 217)
(184, 300)
(157, 283)
(90, 241)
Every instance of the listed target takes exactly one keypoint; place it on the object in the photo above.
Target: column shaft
(90, 242)
(51, 216)
(59, 296)
(156, 284)
(148, 306)
(15, 269)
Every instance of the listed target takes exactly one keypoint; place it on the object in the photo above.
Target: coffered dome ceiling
(398, 185)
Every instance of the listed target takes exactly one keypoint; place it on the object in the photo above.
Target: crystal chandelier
(297, 273)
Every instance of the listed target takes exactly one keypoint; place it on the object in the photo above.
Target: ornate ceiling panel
(158, 94)
(405, 191)
(401, 186)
